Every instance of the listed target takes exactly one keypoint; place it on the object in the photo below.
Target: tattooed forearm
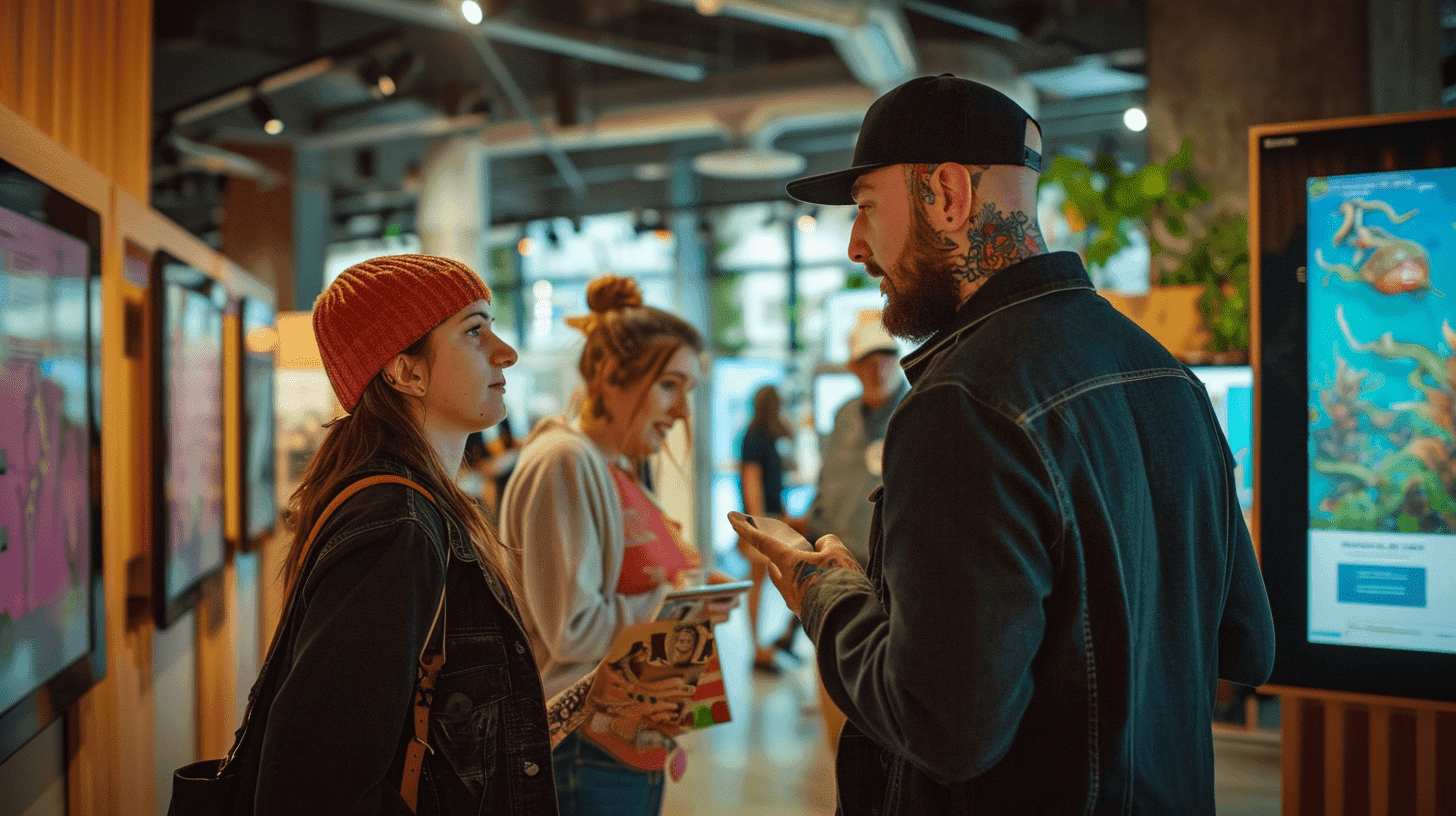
(806, 573)
(568, 710)
(998, 239)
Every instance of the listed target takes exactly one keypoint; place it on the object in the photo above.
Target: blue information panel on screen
(1382, 451)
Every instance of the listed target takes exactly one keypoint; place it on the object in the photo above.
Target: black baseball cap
(929, 120)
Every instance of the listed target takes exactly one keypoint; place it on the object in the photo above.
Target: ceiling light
(525, 246)
(1135, 119)
(806, 223)
(749, 163)
(267, 118)
(472, 12)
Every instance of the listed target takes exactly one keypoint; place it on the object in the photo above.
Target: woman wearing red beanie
(598, 553)
(354, 711)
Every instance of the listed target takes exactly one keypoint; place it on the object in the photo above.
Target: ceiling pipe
(438, 16)
(586, 45)
(964, 19)
(871, 36)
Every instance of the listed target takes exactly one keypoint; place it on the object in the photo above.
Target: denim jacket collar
(1022, 281)
(455, 537)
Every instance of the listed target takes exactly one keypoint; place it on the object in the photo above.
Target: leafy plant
(1163, 201)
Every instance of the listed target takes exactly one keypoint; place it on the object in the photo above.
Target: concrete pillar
(1219, 66)
(690, 284)
(311, 214)
(453, 209)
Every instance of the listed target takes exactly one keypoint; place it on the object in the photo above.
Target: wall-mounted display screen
(52, 644)
(1382, 555)
(187, 520)
(1357, 463)
(258, 323)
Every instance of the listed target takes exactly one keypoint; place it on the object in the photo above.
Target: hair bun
(610, 293)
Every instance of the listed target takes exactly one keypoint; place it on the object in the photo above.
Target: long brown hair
(626, 342)
(768, 418)
(382, 422)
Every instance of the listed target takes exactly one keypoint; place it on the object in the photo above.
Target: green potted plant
(1166, 202)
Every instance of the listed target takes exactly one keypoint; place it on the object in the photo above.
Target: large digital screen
(51, 611)
(1382, 554)
(188, 434)
(1356, 297)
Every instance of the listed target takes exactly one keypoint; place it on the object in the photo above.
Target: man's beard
(922, 295)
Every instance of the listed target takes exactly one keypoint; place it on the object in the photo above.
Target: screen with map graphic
(1356, 472)
(187, 435)
(50, 641)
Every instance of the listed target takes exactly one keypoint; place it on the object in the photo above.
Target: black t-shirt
(760, 449)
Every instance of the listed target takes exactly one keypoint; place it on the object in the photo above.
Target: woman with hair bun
(401, 679)
(597, 551)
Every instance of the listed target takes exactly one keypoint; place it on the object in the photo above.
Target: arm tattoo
(998, 239)
(806, 573)
(568, 710)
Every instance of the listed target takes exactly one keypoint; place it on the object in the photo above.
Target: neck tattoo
(997, 239)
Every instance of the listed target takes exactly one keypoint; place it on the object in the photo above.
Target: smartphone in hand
(780, 531)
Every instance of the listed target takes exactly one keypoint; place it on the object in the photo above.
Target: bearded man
(1059, 569)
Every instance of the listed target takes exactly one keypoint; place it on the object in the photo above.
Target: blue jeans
(591, 782)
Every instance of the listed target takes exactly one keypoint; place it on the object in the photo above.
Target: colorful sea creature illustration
(1393, 265)
(1413, 487)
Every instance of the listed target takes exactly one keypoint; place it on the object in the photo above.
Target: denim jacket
(338, 727)
(1059, 572)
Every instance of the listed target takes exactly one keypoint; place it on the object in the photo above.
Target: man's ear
(407, 374)
(955, 194)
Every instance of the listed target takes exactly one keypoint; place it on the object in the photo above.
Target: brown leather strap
(414, 758)
(278, 631)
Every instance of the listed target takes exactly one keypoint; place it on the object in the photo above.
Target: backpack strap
(429, 663)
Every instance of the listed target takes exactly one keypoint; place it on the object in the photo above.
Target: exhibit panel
(1357, 462)
(1353, 239)
(52, 613)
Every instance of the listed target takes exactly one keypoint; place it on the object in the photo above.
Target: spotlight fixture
(472, 12)
(267, 117)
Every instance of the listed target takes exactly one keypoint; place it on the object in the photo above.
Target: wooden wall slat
(1334, 756)
(1426, 762)
(1379, 760)
(10, 31)
(30, 69)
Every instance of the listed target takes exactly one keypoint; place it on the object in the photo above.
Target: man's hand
(794, 571)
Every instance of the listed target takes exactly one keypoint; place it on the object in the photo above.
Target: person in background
(852, 454)
(475, 472)
(761, 482)
(852, 462)
(1059, 570)
(408, 344)
(597, 552)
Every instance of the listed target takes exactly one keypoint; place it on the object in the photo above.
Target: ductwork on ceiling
(871, 36)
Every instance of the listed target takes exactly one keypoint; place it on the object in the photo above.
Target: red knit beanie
(377, 308)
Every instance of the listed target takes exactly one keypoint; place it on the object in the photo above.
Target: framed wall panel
(187, 391)
(52, 610)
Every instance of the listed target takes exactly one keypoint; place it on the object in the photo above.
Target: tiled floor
(771, 759)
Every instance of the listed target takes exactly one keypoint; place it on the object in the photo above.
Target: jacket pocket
(465, 718)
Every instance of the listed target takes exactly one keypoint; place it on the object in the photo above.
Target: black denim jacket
(1059, 572)
(341, 720)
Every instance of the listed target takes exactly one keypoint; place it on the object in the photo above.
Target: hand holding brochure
(667, 666)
